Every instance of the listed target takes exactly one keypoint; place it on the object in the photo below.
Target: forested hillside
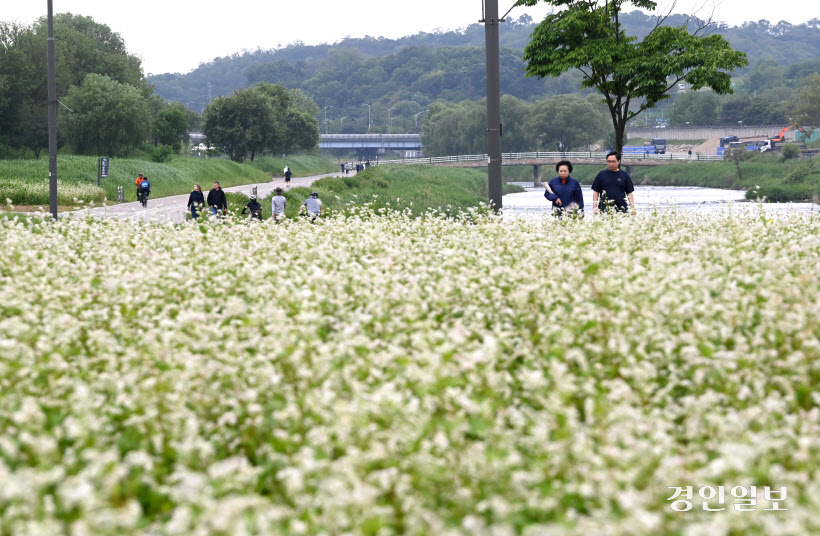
(399, 78)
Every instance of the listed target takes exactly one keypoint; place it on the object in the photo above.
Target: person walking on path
(312, 207)
(564, 191)
(288, 175)
(217, 201)
(278, 205)
(196, 201)
(612, 186)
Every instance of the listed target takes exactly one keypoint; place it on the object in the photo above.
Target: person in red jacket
(138, 182)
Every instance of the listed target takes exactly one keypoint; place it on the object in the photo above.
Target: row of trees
(564, 121)
(781, 96)
(575, 122)
(109, 109)
(107, 106)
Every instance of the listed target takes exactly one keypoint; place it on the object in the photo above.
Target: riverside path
(174, 208)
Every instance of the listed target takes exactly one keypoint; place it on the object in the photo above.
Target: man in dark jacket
(612, 187)
(217, 201)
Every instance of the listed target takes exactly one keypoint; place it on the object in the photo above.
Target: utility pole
(491, 22)
(52, 117)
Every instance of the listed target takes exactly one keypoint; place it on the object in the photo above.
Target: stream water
(704, 200)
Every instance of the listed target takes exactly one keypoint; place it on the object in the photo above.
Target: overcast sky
(175, 36)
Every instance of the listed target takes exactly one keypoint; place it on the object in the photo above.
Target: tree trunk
(619, 139)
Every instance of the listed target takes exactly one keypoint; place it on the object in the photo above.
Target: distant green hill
(425, 67)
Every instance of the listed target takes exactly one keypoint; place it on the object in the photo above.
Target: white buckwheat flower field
(384, 374)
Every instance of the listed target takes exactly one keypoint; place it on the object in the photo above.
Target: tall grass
(414, 188)
(21, 192)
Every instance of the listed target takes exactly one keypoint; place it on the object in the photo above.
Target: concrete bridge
(372, 144)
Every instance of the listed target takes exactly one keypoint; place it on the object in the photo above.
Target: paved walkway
(175, 207)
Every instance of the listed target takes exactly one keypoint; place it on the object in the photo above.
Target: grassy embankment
(413, 188)
(25, 182)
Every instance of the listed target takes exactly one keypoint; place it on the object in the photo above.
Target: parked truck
(660, 145)
(766, 145)
(726, 140)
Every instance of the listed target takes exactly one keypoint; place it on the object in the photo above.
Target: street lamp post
(326, 107)
(390, 119)
(368, 115)
(52, 115)
(416, 116)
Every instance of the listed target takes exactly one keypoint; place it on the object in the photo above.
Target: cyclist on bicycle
(144, 190)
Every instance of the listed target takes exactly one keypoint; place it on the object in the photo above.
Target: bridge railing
(555, 154)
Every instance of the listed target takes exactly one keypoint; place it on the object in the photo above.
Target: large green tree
(631, 75)
(570, 120)
(807, 104)
(455, 129)
(262, 118)
(302, 131)
(82, 46)
(171, 127)
(460, 128)
(108, 118)
(22, 88)
(248, 122)
(695, 108)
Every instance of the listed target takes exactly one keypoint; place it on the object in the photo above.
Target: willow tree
(631, 74)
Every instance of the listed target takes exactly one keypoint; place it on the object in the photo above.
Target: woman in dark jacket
(196, 201)
(564, 191)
